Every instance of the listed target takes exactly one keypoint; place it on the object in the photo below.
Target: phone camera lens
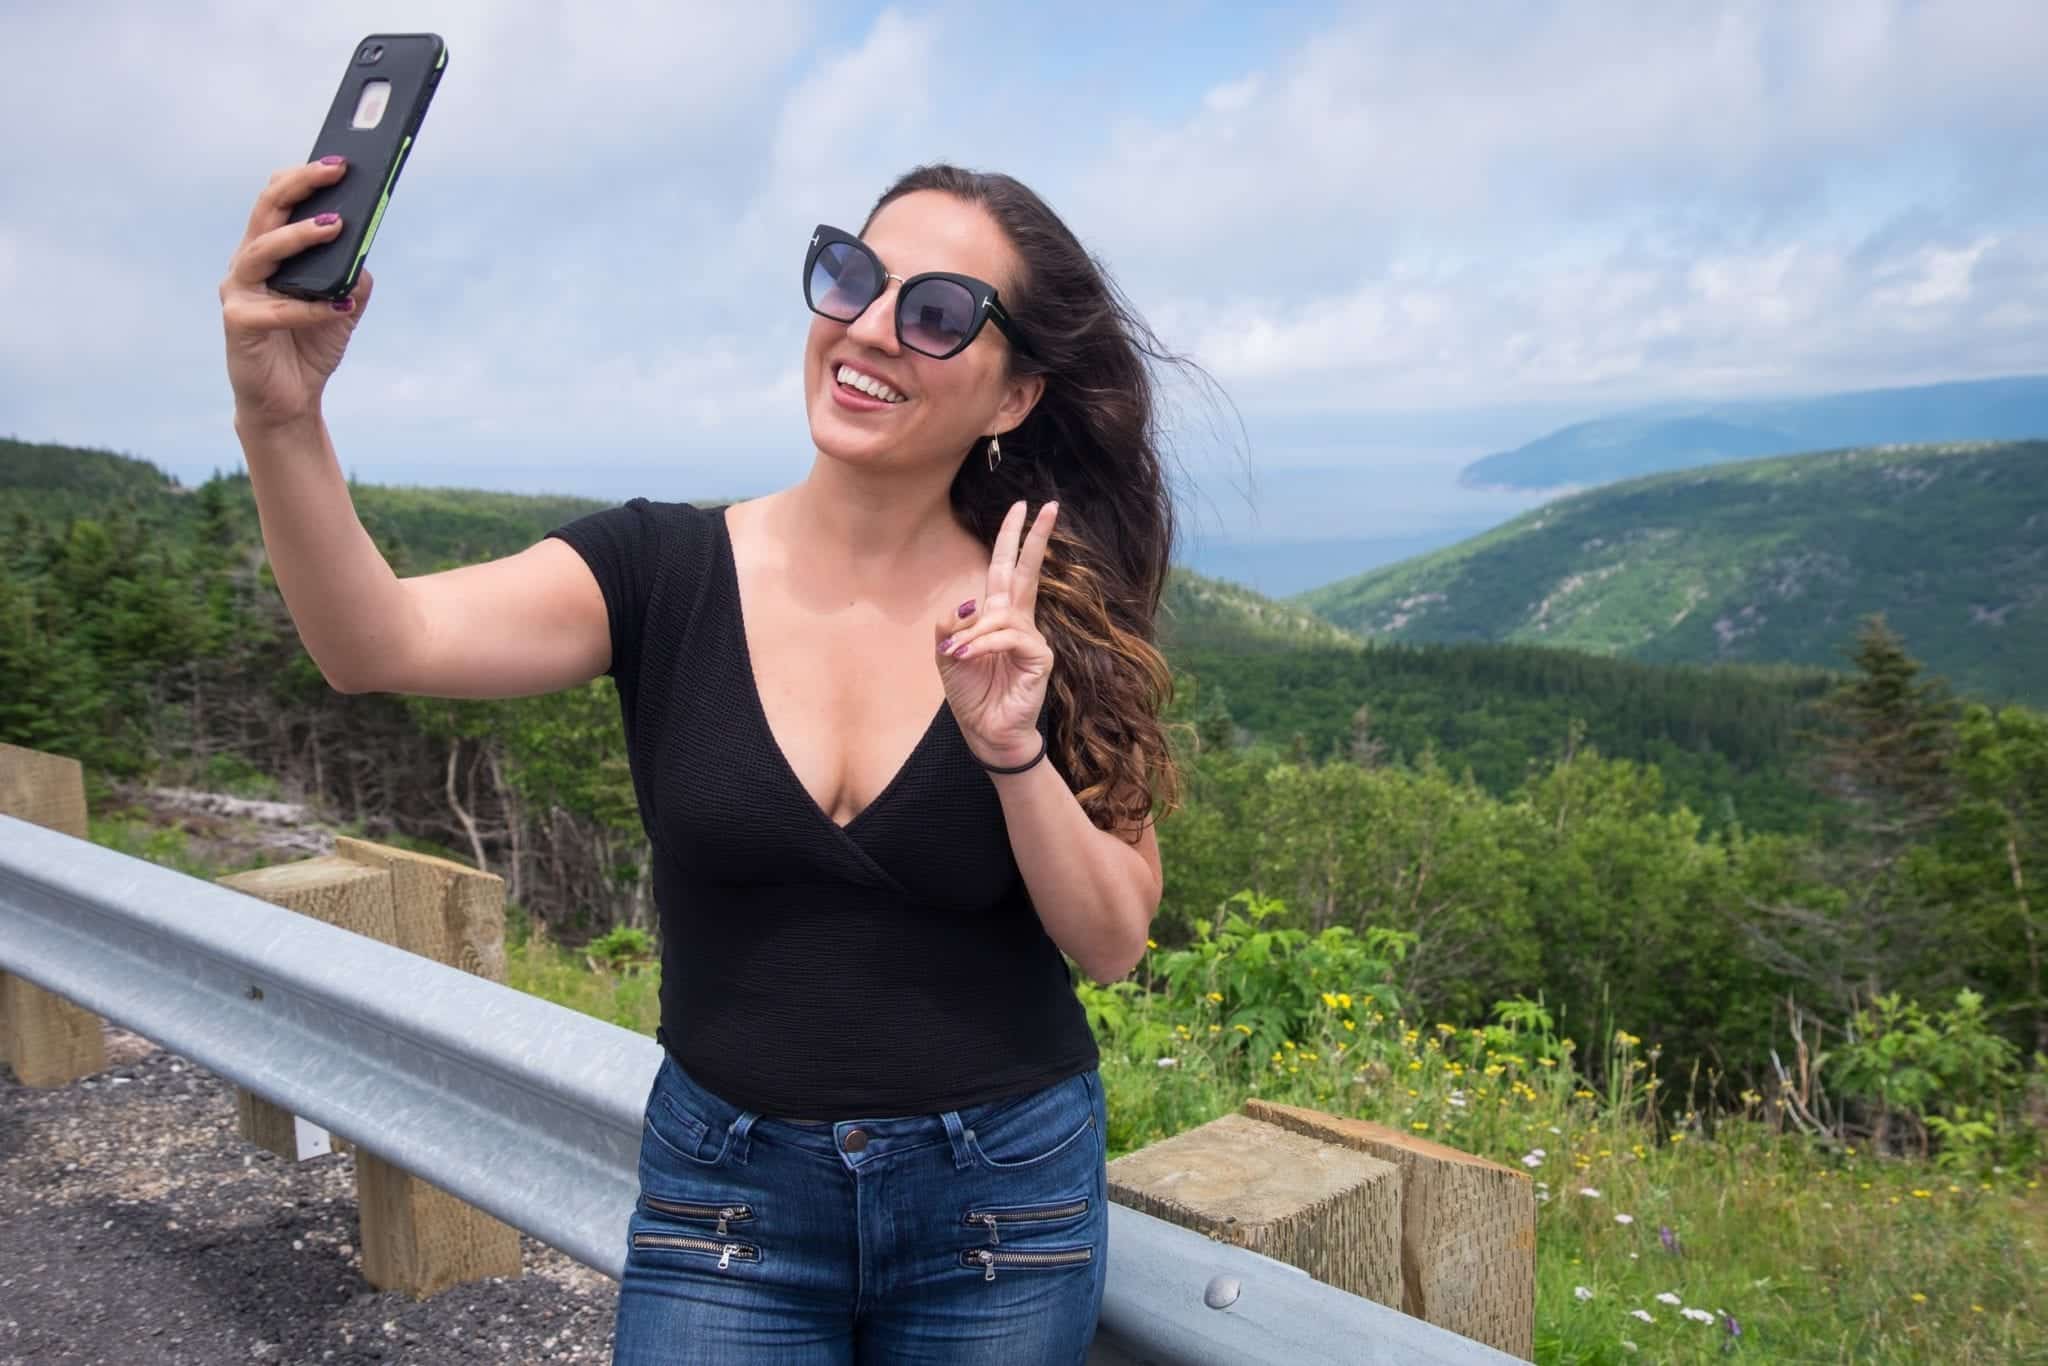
(374, 52)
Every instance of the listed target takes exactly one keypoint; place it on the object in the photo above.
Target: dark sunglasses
(937, 313)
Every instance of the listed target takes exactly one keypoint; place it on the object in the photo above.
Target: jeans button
(855, 1140)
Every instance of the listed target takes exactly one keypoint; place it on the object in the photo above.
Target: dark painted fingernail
(946, 646)
(967, 608)
(327, 220)
(344, 305)
(332, 161)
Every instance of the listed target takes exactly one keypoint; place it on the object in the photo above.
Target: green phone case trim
(382, 199)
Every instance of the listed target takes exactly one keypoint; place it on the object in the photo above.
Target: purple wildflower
(1668, 1238)
(1728, 1322)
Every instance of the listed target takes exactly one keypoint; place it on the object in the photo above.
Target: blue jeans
(972, 1236)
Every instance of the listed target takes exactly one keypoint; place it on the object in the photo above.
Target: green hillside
(1252, 670)
(1215, 614)
(421, 529)
(1768, 560)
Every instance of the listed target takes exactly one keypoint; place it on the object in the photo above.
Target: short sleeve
(623, 549)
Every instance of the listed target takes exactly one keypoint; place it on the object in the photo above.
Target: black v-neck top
(891, 966)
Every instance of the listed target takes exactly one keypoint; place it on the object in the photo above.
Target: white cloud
(1636, 325)
(1417, 207)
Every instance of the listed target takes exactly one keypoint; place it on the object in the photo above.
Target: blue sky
(1400, 236)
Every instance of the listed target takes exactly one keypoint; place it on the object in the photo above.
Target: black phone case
(413, 63)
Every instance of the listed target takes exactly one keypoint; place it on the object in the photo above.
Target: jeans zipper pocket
(724, 1214)
(727, 1252)
(1024, 1214)
(988, 1259)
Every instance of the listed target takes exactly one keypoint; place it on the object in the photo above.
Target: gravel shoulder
(137, 1227)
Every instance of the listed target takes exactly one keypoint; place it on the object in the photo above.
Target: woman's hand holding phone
(281, 350)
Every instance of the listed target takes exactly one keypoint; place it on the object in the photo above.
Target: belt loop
(736, 1138)
(956, 1132)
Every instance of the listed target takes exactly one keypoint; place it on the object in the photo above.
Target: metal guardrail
(531, 1111)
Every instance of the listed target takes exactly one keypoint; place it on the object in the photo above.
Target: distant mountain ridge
(436, 527)
(1764, 560)
(1673, 437)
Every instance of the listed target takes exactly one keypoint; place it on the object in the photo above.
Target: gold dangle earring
(995, 452)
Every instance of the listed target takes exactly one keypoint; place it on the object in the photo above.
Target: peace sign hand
(994, 662)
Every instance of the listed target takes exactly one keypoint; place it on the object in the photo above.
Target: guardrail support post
(1331, 1211)
(415, 1236)
(45, 1038)
(1468, 1228)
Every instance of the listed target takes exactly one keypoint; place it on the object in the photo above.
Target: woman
(895, 740)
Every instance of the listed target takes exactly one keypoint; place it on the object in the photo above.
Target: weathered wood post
(415, 1236)
(45, 1038)
(1468, 1228)
(1332, 1211)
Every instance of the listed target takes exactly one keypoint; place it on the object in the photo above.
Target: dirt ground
(136, 1227)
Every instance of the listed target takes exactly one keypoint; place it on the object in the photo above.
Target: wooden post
(45, 1038)
(1328, 1209)
(1468, 1228)
(446, 911)
(415, 1236)
(339, 892)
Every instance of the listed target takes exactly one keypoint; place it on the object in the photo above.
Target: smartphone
(374, 122)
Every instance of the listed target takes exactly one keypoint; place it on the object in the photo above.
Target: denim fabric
(974, 1236)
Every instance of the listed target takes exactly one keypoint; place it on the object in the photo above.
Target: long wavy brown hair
(1092, 443)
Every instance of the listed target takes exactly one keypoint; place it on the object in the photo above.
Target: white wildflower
(1624, 1218)
(1583, 1292)
(1697, 1315)
(1554, 1129)
(1169, 1062)
(1642, 1314)
(1531, 1160)
(1589, 1192)
(1668, 1298)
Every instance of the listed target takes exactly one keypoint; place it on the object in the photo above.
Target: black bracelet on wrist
(1031, 762)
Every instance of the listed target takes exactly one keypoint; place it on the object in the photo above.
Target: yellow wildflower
(1151, 943)
(1918, 1298)
(1330, 999)
(1216, 996)
(1546, 1062)
(1242, 1029)
(1351, 1024)
(1420, 1126)
(1923, 1195)
(1344, 999)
